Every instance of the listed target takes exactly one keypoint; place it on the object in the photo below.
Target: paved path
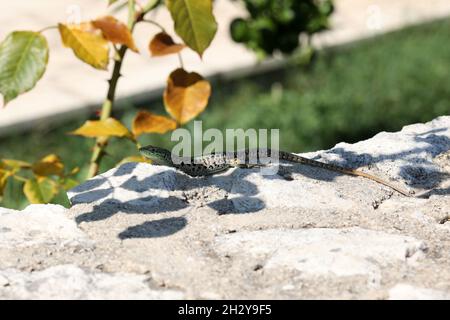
(69, 86)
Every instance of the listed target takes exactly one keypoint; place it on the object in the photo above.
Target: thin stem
(100, 144)
(131, 13)
(180, 59)
(150, 5)
(47, 28)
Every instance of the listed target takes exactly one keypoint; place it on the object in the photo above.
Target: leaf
(74, 171)
(194, 22)
(133, 159)
(163, 44)
(147, 122)
(186, 95)
(40, 190)
(115, 31)
(110, 2)
(23, 59)
(102, 128)
(87, 43)
(15, 164)
(69, 183)
(4, 175)
(49, 165)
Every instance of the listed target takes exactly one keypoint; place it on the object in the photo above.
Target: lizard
(222, 161)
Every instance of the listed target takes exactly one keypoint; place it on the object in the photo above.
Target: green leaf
(40, 190)
(23, 59)
(194, 22)
(110, 2)
(69, 183)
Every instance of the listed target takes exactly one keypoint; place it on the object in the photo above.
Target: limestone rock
(321, 251)
(38, 225)
(404, 291)
(71, 282)
(143, 231)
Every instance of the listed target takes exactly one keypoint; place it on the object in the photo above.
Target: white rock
(71, 282)
(321, 251)
(173, 229)
(133, 183)
(38, 225)
(405, 291)
(275, 192)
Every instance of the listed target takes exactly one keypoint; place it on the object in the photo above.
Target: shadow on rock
(109, 208)
(154, 229)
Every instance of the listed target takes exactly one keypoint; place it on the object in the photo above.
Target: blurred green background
(349, 93)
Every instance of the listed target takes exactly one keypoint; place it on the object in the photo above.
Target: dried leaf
(49, 165)
(87, 43)
(102, 128)
(162, 44)
(147, 122)
(186, 95)
(115, 31)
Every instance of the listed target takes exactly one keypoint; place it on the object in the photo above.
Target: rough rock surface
(142, 231)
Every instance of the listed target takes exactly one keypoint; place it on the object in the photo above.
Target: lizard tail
(379, 180)
(333, 167)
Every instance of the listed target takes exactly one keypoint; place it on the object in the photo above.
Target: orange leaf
(163, 44)
(49, 165)
(147, 122)
(115, 31)
(102, 128)
(186, 95)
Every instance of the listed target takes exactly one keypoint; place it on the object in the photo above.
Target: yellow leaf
(186, 95)
(102, 128)
(49, 165)
(147, 122)
(4, 175)
(74, 171)
(163, 44)
(40, 190)
(87, 43)
(115, 31)
(15, 164)
(133, 159)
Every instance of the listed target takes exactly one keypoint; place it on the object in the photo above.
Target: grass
(350, 93)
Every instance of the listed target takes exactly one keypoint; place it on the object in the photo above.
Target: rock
(71, 282)
(404, 291)
(38, 225)
(134, 183)
(321, 251)
(143, 231)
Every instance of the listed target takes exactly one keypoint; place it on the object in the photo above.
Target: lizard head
(157, 155)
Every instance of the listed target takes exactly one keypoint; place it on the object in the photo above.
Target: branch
(100, 143)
